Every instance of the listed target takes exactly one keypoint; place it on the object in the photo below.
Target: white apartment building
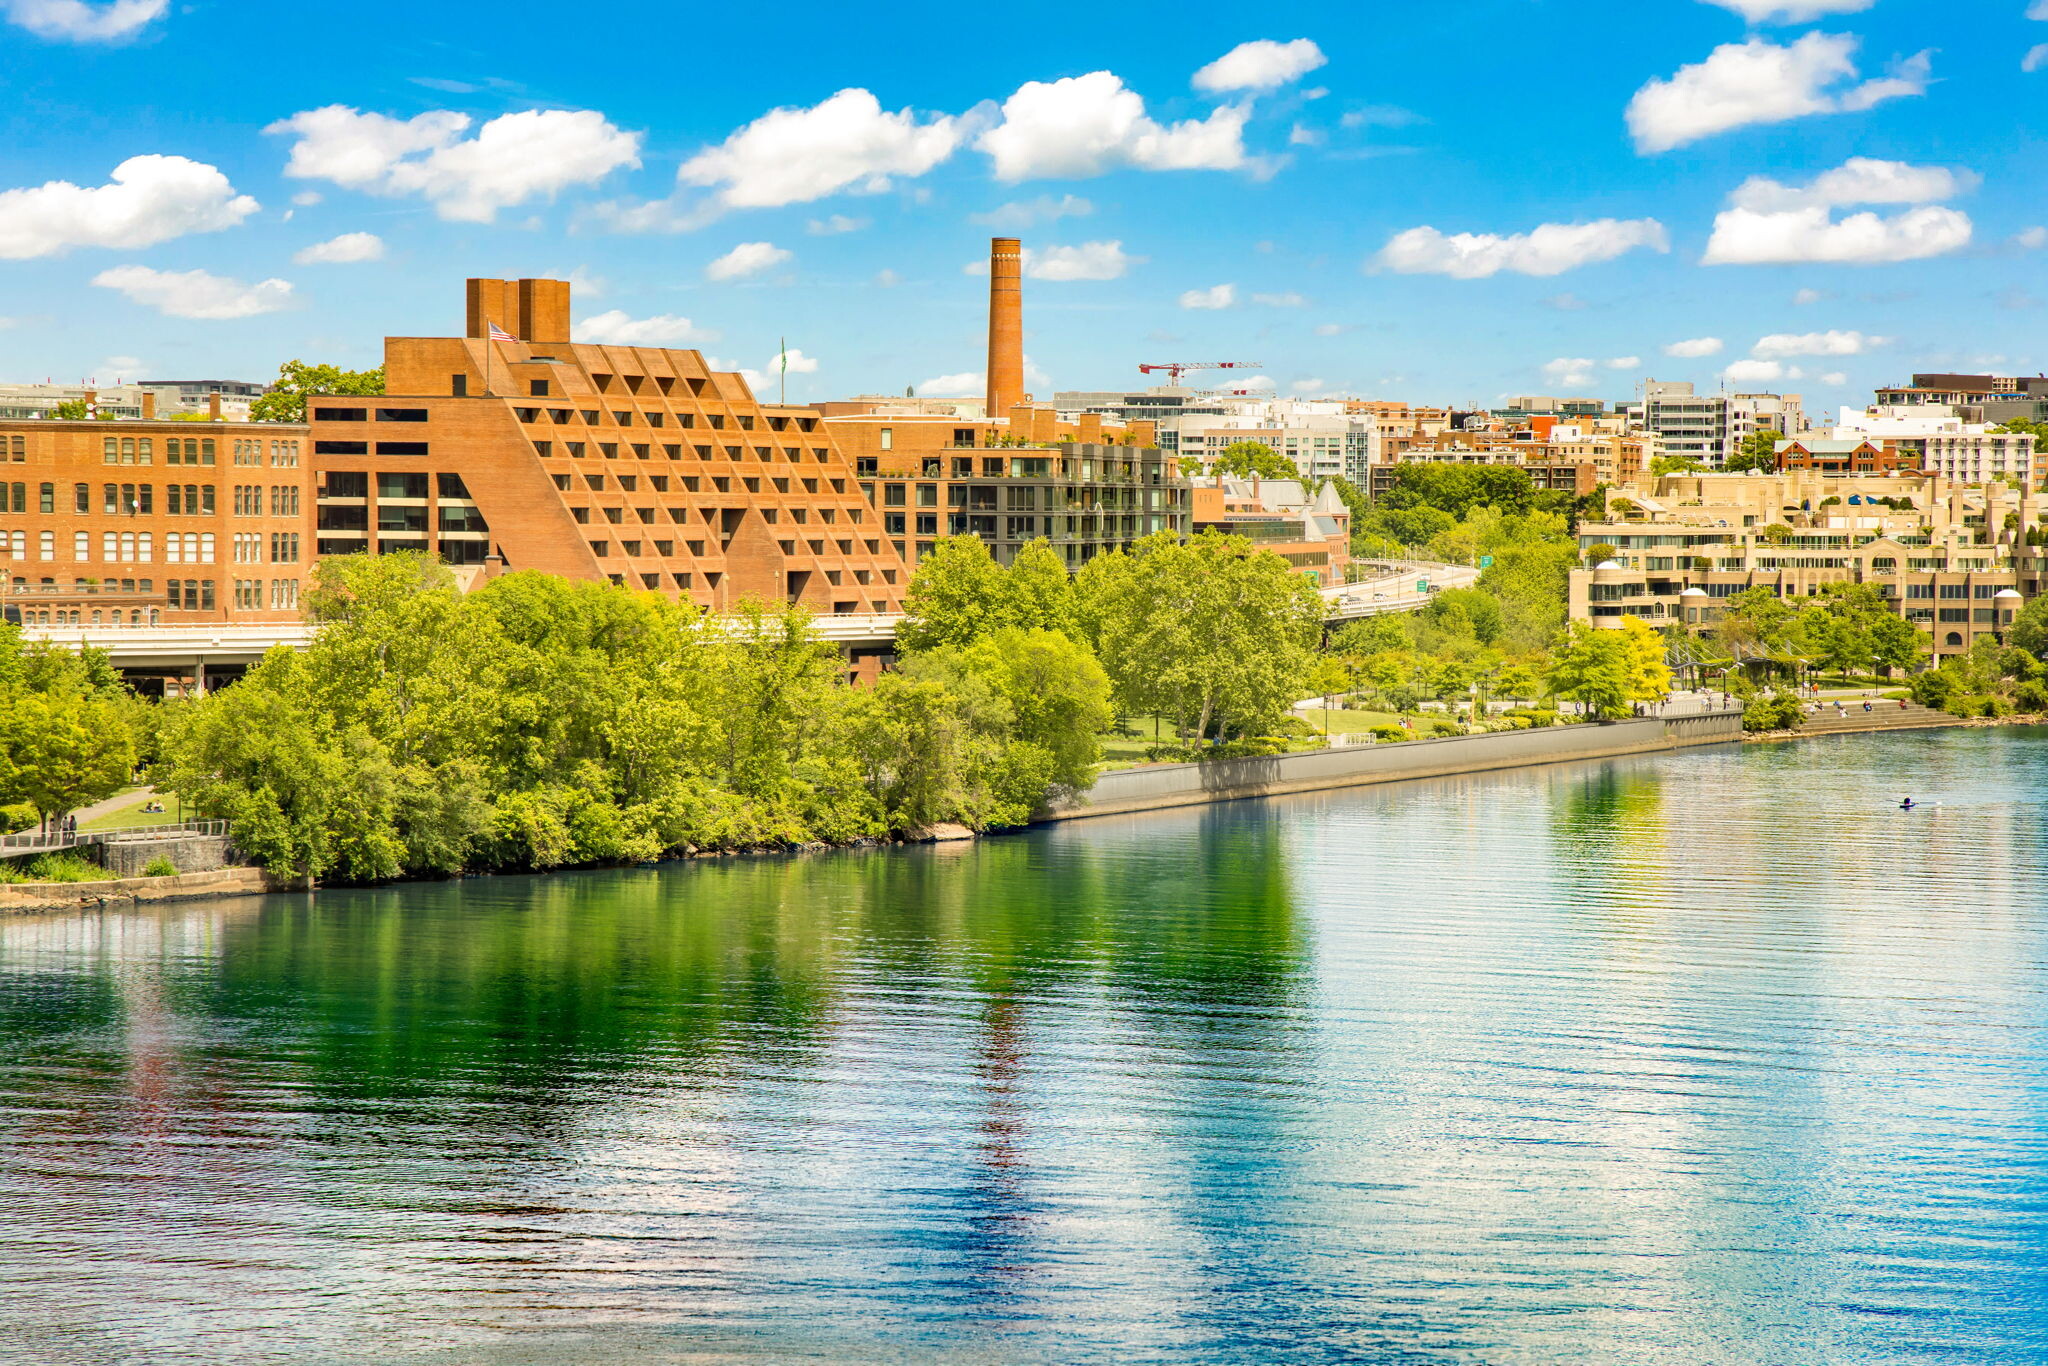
(1965, 452)
(1711, 427)
(1318, 435)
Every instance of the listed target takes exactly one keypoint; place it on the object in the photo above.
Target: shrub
(1440, 728)
(1936, 688)
(1536, 717)
(2031, 696)
(1775, 711)
(159, 867)
(54, 868)
(19, 816)
(1391, 735)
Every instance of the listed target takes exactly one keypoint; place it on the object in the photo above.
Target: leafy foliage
(68, 727)
(1254, 460)
(297, 381)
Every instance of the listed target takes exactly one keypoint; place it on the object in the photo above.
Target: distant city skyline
(1452, 204)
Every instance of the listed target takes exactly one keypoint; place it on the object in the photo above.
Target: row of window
(664, 549)
(391, 484)
(283, 594)
(363, 448)
(283, 454)
(249, 547)
(641, 450)
(133, 500)
(141, 450)
(681, 515)
(116, 547)
(593, 417)
(630, 483)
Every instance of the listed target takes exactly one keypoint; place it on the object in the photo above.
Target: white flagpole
(782, 362)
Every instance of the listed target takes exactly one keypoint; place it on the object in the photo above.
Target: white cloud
(1758, 372)
(835, 224)
(1859, 180)
(122, 368)
(1303, 136)
(346, 249)
(149, 199)
(536, 153)
(306, 199)
(1381, 116)
(84, 23)
(798, 363)
(1743, 237)
(1791, 11)
(1829, 343)
(1772, 223)
(795, 155)
(194, 293)
(1550, 249)
(1569, 373)
(1216, 296)
(1625, 363)
(1021, 214)
(616, 328)
(1087, 261)
(2038, 10)
(1086, 125)
(1834, 379)
(1261, 64)
(1807, 296)
(1760, 82)
(1285, 299)
(2036, 58)
(888, 279)
(748, 258)
(1329, 329)
(1695, 348)
(966, 384)
(2031, 238)
(1307, 386)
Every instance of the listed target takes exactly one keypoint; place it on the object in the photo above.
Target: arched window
(1955, 638)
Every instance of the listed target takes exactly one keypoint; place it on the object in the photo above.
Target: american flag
(500, 334)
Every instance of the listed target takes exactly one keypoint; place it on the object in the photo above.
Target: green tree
(1757, 454)
(63, 750)
(2030, 627)
(1058, 695)
(1211, 632)
(1676, 464)
(297, 381)
(1254, 460)
(1608, 670)
(71, 410)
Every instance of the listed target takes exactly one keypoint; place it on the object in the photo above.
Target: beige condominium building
(1951, 560)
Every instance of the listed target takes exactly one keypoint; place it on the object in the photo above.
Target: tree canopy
(297, 381)
(1254, 460)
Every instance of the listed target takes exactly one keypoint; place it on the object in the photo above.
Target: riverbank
(1165, 786)
(26, 898)
(1875, 726)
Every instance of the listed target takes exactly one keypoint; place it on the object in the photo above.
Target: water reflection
(1700, 1059)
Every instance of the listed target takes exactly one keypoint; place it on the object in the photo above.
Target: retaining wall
(1169, 785)
(17, 898)
(188, 853)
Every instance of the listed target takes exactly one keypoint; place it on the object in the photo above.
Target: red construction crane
(1177, 368)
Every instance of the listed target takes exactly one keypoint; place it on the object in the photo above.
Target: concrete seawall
(1121, 791)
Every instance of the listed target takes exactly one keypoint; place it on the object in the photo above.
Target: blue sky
(1445, 203)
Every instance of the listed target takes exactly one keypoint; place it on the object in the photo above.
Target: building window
(537, 388)
(47, 498)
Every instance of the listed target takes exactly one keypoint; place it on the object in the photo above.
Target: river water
(1698, 1059)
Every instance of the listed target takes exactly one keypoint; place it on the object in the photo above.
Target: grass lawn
(131, 814)
(1348, 722)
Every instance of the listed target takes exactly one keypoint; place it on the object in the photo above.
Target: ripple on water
(1711, 1058)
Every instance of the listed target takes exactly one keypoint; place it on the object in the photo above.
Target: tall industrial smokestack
(1005, 326)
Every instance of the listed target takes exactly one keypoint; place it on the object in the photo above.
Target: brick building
(142, 522)
(1309, 530)
(1085, 482)
(513, 447)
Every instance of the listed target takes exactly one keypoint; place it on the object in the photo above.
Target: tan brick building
(634, 464)
(142, 522)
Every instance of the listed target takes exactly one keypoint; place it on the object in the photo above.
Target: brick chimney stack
(1005, 326)
(149, 405)
(213, 406)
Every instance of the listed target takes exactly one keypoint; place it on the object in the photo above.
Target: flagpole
(782, 361)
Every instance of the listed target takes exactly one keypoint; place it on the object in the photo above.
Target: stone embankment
(1883, 716)
(1164, 786)
(19, 898)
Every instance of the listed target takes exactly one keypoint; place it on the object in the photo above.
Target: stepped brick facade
(636, 464)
